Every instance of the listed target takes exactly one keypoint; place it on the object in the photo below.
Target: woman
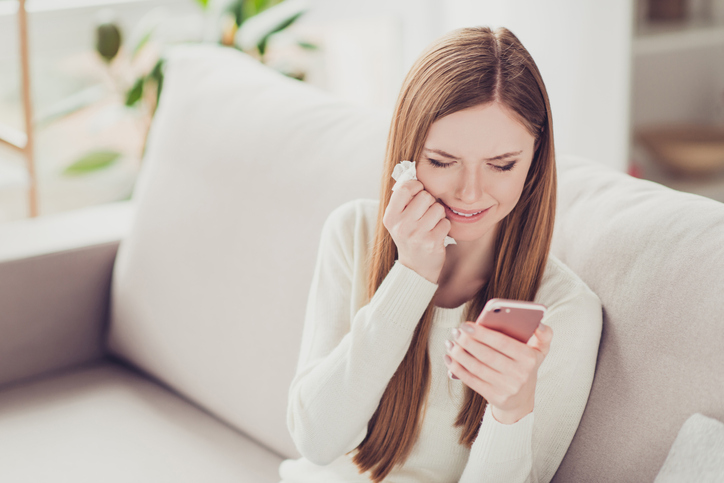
(380, 393)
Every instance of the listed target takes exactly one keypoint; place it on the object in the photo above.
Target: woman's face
(476, 160)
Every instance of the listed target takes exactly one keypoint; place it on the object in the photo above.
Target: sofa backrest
(242, 167)
(655, 257)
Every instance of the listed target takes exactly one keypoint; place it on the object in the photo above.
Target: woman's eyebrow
(442, 153)
(503, 156)
(494, 158)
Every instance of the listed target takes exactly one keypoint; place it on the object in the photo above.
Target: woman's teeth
(465, 214)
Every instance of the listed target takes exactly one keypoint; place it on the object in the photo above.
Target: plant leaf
(156, 74)
(255, 7)
(157, 71)
(141, 43)
(135, 93)
(236, 8)
(203, 3)
(307, 45)
(91, 162)
(286, 23)
(258, 6)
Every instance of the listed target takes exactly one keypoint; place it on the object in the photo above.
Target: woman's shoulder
(562, 290)
(559, 280)
(361, 209)
(352, 222)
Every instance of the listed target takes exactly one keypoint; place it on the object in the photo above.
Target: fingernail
(449, 345)
(451, 375)
(447, 358)
(455, 333)
(468, 328)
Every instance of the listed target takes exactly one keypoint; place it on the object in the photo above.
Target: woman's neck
(468, 266)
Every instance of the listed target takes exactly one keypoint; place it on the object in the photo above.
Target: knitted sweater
(351, 348)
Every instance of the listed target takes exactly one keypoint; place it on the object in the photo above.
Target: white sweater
(351, 349)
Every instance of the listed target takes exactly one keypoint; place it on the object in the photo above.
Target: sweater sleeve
(346, 361)
(531, 449)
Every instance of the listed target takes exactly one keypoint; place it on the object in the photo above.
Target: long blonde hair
(465, 68)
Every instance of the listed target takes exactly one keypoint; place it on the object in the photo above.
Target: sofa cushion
(242, 168)
(103, 423)
(655, 257)
(697, 455)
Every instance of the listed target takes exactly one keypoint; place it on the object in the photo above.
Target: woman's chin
(464, 237)
(468, 234)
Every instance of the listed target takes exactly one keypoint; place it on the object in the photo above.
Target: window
(78, 101)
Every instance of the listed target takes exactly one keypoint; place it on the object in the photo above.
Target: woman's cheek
(511, 187)
(429, 180)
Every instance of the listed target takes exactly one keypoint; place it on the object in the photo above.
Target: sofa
(154, 340)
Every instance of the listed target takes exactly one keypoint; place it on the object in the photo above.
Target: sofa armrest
(55, 278)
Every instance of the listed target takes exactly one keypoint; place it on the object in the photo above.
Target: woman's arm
(346, 363)
(531, 449)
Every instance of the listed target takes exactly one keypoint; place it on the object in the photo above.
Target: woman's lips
(452, 216)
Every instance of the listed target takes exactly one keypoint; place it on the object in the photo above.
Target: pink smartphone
(514, 318)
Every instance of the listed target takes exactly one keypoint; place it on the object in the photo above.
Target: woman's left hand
(501, 369)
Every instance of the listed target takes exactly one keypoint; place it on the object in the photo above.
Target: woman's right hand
(418, 226)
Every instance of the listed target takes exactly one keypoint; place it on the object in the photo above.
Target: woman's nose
(470, 187)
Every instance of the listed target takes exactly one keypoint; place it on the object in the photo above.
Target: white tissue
(404, 171)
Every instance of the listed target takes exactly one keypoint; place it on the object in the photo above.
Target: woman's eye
(438, 164)
(505, 167)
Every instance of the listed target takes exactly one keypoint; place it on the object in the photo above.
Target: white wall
(371, 44)
(582, 47)
(583, 50)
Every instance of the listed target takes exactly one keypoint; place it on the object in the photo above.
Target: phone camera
(496, 310)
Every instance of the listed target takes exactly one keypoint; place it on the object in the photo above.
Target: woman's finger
(484, 353)
(506, 345)
(419, 205)
(441, 229)
(474, 365)
(403, 195)
(481, 386)
(541, 339)
(432, 217)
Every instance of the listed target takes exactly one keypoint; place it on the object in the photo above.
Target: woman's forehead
(482, 131)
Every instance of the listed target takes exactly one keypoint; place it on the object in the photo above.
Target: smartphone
(514, 318)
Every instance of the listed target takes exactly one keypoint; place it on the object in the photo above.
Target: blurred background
(634, 84)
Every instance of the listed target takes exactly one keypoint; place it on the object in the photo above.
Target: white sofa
(155, 340)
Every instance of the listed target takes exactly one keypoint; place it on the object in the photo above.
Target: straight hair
(467, 67)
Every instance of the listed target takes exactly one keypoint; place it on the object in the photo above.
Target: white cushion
(106, 424)
(210, 286)
(697, 455)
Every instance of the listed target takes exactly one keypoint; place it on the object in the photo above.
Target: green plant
(241, 10)
(93, 161)
(144, 92)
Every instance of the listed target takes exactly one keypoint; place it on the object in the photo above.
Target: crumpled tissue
(404, 171)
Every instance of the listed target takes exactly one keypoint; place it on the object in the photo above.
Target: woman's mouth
(464, 216)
